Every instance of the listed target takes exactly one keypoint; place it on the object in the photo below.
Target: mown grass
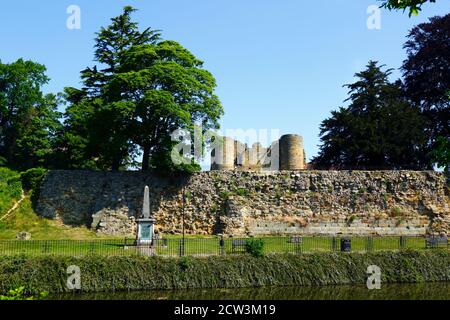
(199, 246)
(118, 273)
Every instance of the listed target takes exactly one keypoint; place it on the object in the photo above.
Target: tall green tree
(28, 118)
(97, 121)
(441, 154)
(147, 89)
(413, 6)
(170, 90)
(426, 74)
(378, 130)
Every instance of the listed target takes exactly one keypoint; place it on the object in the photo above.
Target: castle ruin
(286, 154)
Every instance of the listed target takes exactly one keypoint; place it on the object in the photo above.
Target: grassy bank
(101, 273)
(25, 219)
(10, 189)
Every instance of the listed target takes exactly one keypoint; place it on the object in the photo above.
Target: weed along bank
(102, 273)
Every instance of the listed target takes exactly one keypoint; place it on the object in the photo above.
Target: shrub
(32, 178)
(21, 294)
(225, 195)
(14, 187)
(31, 182)
(396, 212)
(255, 247)
(184, 263)
(242, 192)
(10, 188)
(351, 220)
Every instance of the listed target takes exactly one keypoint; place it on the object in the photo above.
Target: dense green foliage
(28, 118)
(31, 182)
(21, 294)
(378, 130)
(255, 247)
(140, 273)
(441, 154)
(149, 89)
(426, 77)
(10, 189)
(414, 6)
(32, 178)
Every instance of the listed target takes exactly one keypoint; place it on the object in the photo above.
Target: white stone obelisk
(146, 208)
(146, 223)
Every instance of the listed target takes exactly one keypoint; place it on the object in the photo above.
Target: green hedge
(100, 273)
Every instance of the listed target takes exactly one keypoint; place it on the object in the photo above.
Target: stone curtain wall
(242, 203)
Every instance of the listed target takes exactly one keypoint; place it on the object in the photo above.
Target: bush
(21, 294)
(31, 182)
(10, 188)
(14, 187)
(184, 263)
(242, 192)
(32, 178)
(255, 247)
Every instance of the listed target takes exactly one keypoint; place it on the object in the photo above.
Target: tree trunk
(115, 166)
(146, 157)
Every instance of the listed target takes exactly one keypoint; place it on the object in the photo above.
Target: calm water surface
(434, 291)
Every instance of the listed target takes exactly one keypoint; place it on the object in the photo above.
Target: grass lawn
(200, 246)
(25, 219)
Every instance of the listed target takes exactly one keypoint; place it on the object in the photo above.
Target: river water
(426, 291)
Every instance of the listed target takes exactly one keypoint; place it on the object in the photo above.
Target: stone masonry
(253, 203)
(288, 153)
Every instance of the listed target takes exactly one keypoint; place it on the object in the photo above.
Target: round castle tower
(223, 155)
(292, 155)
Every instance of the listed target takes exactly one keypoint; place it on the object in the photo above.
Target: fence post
(298, 246)
(45, 247)
(222, 245)
(334, 244)
(181, 247)
(402, 242)
(369, 246)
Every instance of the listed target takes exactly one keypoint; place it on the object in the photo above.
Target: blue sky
(278, 64)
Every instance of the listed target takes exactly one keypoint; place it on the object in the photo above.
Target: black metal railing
(218, 246)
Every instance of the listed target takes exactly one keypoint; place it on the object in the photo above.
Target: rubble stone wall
(253, 203)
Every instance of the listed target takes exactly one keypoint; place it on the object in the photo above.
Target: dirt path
(14, 207)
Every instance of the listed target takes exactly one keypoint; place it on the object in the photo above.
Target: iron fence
(218, 246)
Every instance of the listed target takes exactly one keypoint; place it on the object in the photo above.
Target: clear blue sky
(278, 64)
